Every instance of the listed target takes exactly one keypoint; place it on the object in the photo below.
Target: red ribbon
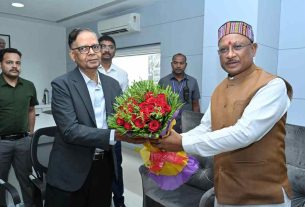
(158, 159)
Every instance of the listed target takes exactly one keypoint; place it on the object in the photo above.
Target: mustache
(14, 70)
(232, 61)
(104, 53)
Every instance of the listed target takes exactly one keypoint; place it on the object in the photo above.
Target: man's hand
(125, 138)
(172, 143)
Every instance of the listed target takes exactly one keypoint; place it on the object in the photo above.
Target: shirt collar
(3, 82)
(88, 80)
(172, 77)
(112, 67)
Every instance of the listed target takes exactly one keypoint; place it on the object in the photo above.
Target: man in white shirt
(108, 48)
(243, 127)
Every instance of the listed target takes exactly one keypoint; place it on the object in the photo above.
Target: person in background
(17, 119)
(184, 85)
(243, 127)
(108, 48)
(2, 43)
(82, 162)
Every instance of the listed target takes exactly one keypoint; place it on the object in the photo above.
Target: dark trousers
(95, 192)
(118, 185)
(17, 154)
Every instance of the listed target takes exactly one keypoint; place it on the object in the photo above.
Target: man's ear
(254, 48)
(72, 55)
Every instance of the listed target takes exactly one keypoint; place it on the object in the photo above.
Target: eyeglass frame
(88, 48)
(235, 47)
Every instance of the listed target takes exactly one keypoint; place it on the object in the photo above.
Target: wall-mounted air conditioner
(119, 25)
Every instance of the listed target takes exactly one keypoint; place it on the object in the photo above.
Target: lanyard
(174, 88)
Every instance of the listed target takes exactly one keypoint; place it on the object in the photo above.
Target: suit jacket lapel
(81, 87)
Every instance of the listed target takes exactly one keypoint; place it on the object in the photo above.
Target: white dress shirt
(98, 104)
(117, 73)
(266, 108)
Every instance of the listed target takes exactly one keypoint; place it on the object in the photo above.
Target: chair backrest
(41, 147)
(295, 154)
(203, 179)
(190, 119)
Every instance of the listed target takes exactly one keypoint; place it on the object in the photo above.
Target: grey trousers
(17, 154)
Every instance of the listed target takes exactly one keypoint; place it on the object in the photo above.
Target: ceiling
(68, 13)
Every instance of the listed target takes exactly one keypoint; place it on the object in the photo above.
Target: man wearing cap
(243, 127)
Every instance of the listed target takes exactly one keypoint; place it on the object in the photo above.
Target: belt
(13, 137)
(100, 155)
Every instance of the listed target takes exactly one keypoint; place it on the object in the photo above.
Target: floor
(132, 178)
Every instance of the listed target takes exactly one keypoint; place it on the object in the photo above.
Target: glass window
(141, 63)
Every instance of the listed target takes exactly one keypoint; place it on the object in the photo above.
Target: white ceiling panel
(67, 12)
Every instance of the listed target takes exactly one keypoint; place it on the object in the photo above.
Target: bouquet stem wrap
(168, 169)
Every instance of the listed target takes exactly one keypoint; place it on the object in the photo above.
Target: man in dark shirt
(17, 119)
(184, 85)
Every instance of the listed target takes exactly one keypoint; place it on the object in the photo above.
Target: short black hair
(9, 50)
(74, 33)
(179, 54)
(106, 38)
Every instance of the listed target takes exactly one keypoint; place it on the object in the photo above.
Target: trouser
(17, 154)
(96, 191)
(118, 185)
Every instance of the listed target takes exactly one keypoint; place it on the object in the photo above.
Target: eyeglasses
(86, 49)
(109, 47)
(235, 48)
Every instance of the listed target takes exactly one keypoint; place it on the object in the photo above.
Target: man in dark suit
(82, 163)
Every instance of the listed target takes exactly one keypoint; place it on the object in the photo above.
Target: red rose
(127, 126)
(161, 97)
(154, 126)
(166, 108)
(151, 100)
(139, 123)
(120, 121)
(133, 117)
(147, 109)
(148, 95)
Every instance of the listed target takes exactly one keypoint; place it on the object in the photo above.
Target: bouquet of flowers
(147, 110)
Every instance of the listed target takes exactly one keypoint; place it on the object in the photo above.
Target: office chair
(13, 192)
(41, 147)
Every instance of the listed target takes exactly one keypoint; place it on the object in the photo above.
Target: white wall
(43, 49)
(291, 63)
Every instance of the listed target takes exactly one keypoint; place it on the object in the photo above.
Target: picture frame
(5, 41)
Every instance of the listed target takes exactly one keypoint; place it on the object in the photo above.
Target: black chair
(13, 192)
(295, 162)
(41, 147)
(190, 193)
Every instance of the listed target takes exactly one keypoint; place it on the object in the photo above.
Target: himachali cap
(236, 27)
